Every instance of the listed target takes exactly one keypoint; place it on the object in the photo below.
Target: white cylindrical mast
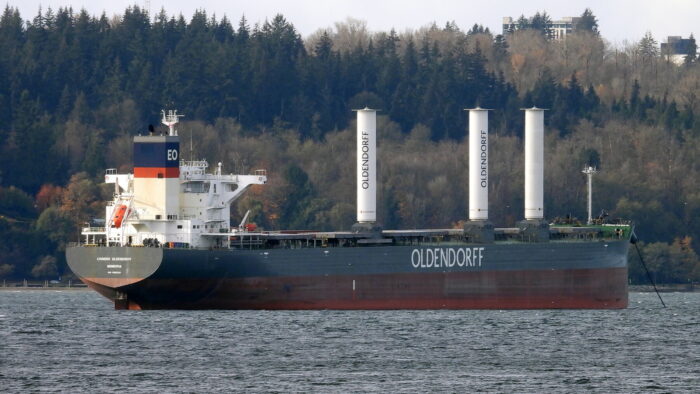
(366, 165)
(590, 170)
(478, 164)
(534, 163)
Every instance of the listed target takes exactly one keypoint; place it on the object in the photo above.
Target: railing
(71, 283)
(94, 229)
(111, 171)
(261, 172)
(194, 163)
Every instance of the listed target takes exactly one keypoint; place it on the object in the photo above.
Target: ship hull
(556, 275)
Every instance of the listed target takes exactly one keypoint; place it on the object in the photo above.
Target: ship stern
(108, 270)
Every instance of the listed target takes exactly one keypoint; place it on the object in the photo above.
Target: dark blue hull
(576, 274)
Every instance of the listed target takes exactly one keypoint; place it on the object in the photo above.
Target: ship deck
(305, 238)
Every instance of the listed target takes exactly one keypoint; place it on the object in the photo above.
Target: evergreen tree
(522, 23)
(591, 102)
(32, 137)
(559, 118)
(671, 117)
(574, 97)
(299, 193)
(587, 22)
(648, 47)
(405, 98)
(692, 55)
(478, 29)
(635, 102)
(589, 157)
(543, 93)
(500, 46)
(389, 65)
(542, 23)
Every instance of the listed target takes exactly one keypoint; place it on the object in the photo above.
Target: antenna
(590, 170)
(170, 119)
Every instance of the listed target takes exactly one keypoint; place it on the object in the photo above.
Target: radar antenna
(170, 119)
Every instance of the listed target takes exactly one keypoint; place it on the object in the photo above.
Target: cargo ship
(168, 243)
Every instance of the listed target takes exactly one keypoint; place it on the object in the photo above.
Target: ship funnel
(366, 165)
(534, 163)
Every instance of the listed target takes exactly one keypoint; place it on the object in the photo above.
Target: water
(72, 341)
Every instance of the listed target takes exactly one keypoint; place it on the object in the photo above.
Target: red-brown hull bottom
(531, 289)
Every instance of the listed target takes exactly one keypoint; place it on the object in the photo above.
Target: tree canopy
(75, 88)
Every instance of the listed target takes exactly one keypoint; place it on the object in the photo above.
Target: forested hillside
(75, 88)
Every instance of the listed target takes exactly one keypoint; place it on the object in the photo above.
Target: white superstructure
(182, 204)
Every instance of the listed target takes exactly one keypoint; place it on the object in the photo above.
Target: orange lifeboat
(118, 217)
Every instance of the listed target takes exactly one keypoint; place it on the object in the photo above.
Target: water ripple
(74, 341)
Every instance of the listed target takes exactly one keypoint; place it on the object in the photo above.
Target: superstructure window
(195, 187)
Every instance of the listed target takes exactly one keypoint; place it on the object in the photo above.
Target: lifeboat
(119, 213)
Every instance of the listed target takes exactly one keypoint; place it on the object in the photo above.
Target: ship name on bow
(113, 258)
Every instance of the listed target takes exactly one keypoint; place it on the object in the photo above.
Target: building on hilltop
(676, 48)
(559, 28)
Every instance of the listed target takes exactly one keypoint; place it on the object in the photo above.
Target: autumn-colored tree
(81, 199)
(48, 195)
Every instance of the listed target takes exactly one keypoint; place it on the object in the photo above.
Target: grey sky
(619, 20)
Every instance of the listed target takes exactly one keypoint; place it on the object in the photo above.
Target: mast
(589, 171)
(170, 119)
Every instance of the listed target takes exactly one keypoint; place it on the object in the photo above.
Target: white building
(676, 48)
(560, 28)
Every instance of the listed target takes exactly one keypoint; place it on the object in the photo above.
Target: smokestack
(366, 165)
(534, 163)
(478, 164)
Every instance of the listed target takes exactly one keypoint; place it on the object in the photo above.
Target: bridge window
(195, 187)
